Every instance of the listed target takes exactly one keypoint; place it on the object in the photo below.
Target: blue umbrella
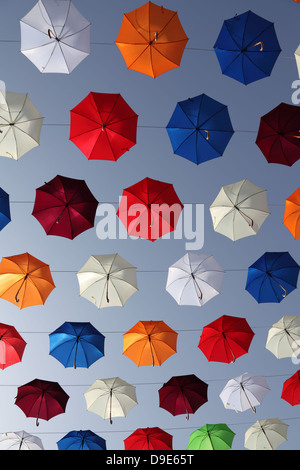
(76, 344)
(81, 440)
(247, 47)
(272, 277)
(4, 209)
(200, 129)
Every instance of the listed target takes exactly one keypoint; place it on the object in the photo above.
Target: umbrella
(200, 129)
(149, 343)
(151, 39)
(266, 434)
(76, 344)
(272, 277)
(12, 346)
(107, 280)
(284, 337)
(112, 397)
(291, 218)
(20, 125)
(25, 280)
(194, 279)
(239, 210)
(247, 47)
(81, 440)
(244, 392)
(103, 126)
(291, 389)
(20, 440)
(278, 135)
(211, 437)
(226, 339)
(297, 53)
(4, 209)
(65, 207)
(55, 36)
(149, 439)
(149, 209)
(183, 395)
(41, 399)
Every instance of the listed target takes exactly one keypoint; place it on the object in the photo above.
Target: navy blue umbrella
(81, 440)
(200, 129)
(76, 344)
(272, 277)
(4, 209)
(247, 47)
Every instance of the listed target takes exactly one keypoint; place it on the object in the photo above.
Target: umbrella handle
(245, 215)
(16, 296)
(261, 45)
(50, 34)
(200, 296)
(107, 298)
(208, 134)
(251, 406)
(285, 291)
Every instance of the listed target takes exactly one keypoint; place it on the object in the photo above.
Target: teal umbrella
(211, 437)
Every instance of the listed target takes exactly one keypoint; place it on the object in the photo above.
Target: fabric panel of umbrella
(149, 439)
(291, 389)
(266, 434)
(12, 346)
(291, 218)
(284, 337)
(211, 437)
(20, 440)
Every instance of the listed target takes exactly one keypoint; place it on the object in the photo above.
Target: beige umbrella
(266, 434)
(284, 337)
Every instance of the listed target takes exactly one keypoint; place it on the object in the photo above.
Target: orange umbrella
(25, 280)
(151, 39)
(291, 218)
(149, 342)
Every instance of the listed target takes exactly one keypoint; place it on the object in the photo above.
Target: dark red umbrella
(226, 339)
(183, 395)
(279, 134)
(149, 439)
(149, 209)
(12, 346)
(103, 126)
(291, 389)
(41, 399)
(65, 207)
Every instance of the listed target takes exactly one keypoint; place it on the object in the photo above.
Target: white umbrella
(20, 125)
(194, 279)
(55, 36)
(266, 434)
(297, 58)
(107, 280)
(112, 397)
(20, 440)
(239, 210)
(244, 392)
(284, 337)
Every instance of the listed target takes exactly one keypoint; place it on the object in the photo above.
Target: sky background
(154, 101)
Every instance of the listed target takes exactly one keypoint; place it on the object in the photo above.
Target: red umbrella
(279, 134)
(65, 207)
(41, 399)
(226, 339)
(183, 394)
(103, 126)
(149, 439)
(291, 389)
(12, 346)
(149, 209)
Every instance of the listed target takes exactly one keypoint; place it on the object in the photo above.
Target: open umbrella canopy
(41, 399)
(151, 39)
(103, 126)
(12, 346)
(65, 207)
(266, 434)
(211, 437)
(76, 344)
(149, 209)
(291, 389)
(183, 395)
(107, 280)
(226, 339)
(291, 218)
(20, 440)
(25, 280)
(81, 440)
(247, 47)
(149, 439)
(55, 36)
(200, 129)
(284, 337)
(5, 217)
(239, 210)
(149, 343)
(278, 136)
(20, 125)
(272, 277)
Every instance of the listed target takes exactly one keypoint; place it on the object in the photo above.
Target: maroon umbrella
(41, 399)
(183, 394)
(149, 439)
(279, 134)
(65, 207)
